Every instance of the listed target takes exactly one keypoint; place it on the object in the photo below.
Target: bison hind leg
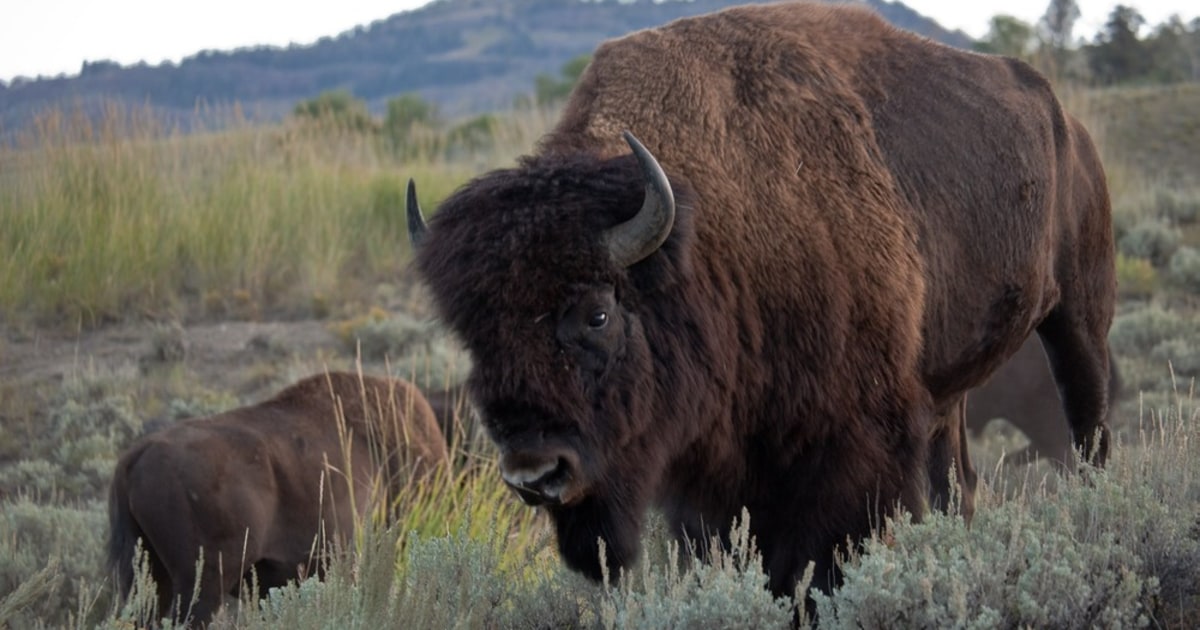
(1079, 361)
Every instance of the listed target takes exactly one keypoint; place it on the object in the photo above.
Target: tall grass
(106, 217)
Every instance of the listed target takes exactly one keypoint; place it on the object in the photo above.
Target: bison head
(544, 271)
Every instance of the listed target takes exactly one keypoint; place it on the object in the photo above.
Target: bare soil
(229, 356)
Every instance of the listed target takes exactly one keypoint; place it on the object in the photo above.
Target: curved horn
(416, 223)
(637, 238)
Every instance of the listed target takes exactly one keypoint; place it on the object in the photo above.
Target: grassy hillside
(130, 227)
(1154, 131)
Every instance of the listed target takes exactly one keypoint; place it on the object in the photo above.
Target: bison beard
(702, 326)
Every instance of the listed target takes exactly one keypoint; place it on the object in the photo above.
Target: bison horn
(637, 238)
(416, 223)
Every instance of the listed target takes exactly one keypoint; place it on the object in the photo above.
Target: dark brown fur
(246, 485)
(868, 224)
(1023, 392)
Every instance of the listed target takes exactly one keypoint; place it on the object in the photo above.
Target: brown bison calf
(268, 487)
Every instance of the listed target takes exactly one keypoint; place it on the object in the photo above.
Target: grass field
(117, 232)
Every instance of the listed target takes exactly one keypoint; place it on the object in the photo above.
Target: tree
(1055, 30)
(412, 124)
(338, 107)
(1118, 54)
(1009, 36)
(548, 89)
(473, 135)
(407, 110)
(1169, 50)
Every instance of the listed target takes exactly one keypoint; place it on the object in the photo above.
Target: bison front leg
(950, 461)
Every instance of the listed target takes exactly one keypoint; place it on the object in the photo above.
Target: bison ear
(642, 235)
(416, 223)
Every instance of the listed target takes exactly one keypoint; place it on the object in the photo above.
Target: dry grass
(118, 217)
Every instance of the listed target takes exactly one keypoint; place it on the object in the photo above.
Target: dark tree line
(412, 123)
(1126, 50)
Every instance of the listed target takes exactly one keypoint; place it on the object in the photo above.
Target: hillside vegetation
(469, 56)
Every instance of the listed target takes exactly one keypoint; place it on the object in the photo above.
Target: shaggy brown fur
(867, 224)
(267, 487)
(1023, 392)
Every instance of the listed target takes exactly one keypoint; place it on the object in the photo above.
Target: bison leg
(1079, 359)
(173, 531)
(947, 450)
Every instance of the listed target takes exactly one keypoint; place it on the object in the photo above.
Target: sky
(51, 37)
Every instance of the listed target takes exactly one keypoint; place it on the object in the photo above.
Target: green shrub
(74, 457)
(168, 344)
(1185, 268)
(1152, 239)
(69, 543)
(1070, 561)
(1177, 205)
(1136, 277)
(727, 591)
(1139, 331)
(417, 350)
(1183, 355)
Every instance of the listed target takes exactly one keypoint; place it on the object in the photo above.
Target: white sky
(49, 37)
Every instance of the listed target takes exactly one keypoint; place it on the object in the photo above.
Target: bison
(268, 487)
(1023, 392)
(758, 262)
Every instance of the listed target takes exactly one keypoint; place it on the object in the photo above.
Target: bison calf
(261, 487)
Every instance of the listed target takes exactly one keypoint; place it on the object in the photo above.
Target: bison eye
(597, 319)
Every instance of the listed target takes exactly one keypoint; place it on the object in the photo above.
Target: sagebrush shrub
(1020, 564)
(1136, 277)
(74, 457)
(1182, 354)
(68, 540)
(1139, 331)
(726, 591)
(1185, 268)
(1152, 239)
(1177, 205)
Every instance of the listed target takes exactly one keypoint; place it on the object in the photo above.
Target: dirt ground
(231, 356)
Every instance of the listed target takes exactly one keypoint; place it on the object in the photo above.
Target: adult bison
(267, 487)
(833, 230)
(1022, 391)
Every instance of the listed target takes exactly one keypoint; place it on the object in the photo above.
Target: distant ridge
(467, 55)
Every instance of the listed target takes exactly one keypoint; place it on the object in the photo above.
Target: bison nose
(538, 480)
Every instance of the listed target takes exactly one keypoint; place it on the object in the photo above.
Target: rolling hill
(466, 55)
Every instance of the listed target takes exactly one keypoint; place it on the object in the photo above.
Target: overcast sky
(49, 37)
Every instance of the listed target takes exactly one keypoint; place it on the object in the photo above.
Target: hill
(466, 55)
